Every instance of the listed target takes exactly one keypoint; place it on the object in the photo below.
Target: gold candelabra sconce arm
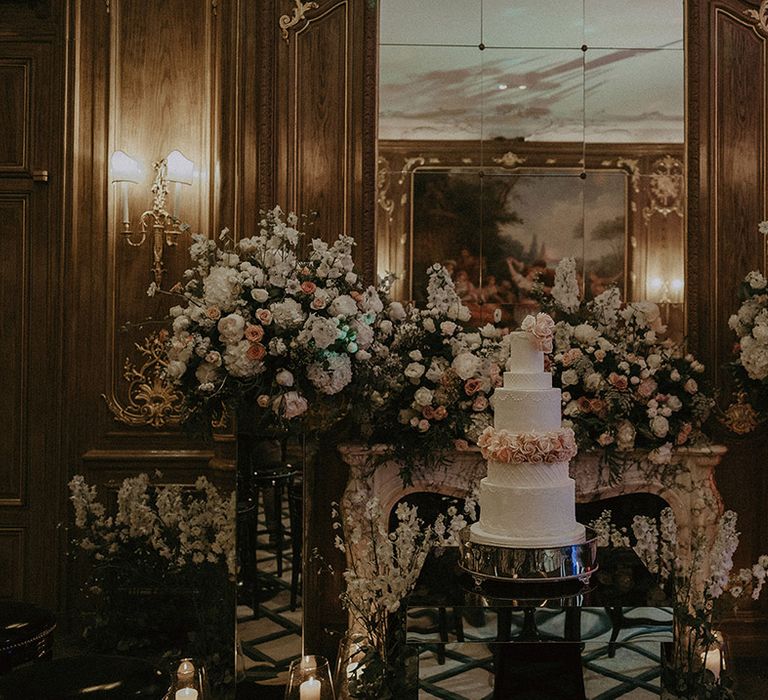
(161, 226)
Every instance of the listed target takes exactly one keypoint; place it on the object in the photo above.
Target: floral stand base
(519, 565)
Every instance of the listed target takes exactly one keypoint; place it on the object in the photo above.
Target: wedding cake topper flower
(541, 328)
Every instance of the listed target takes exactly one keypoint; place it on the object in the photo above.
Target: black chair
(26, 634)
(296, 513)
(266, 479)
(86, 678)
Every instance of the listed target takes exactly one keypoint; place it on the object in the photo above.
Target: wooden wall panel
(727, 135)
(12, 563)
(32, 493)
(15, 119)
(324, 118)
(14, 302)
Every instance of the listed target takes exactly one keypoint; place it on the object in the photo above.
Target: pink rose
(460, 444)
(254, 333)
(308, 287)
(213, 312)
(256, 352)
(485, 438)
(571, 356)
(441, 412)
(318, 303)
(472, 386)
(480, 403)
(646, 388)
(598, 407)
(691, 386)
(584, 404)
(428, 412)
(264, 316)
(618, 381)
(684, 434)
(605, 439)
(263, 400)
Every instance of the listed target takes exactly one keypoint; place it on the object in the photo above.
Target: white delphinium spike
(566, 291)
(668, 564)
(647, 535)
(721, 556)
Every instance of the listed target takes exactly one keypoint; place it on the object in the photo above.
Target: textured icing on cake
(527, 504)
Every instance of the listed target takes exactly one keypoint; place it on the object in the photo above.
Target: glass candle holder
(309, 678)
(189, 681)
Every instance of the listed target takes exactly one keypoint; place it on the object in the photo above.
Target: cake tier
(527, 475)
(520, 411)
(528, 516)
(524, 356)
(537, 381)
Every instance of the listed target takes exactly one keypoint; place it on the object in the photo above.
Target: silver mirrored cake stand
(528, 565)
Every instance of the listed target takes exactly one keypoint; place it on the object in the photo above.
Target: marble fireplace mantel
(687, 483)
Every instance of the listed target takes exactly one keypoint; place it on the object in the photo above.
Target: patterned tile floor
(273, 639)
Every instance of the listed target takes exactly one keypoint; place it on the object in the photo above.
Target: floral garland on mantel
(534, 448)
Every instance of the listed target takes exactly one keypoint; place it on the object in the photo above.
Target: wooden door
(31, 488)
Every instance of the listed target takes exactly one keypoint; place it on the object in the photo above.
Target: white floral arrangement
(383, 567)
(699, 605)
(750, 324)
(183, 529)
(429, 390)
(624, 388)
(262, 326)
(552, 447)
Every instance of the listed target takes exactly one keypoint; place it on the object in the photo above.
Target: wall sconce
(165, 226)
(666, 291)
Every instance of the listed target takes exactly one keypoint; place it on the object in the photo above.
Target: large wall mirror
(513, 133)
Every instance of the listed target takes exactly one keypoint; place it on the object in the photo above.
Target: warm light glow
(522, 87)
(124, 168)
(186, 669)
(676, 285)
(503, 86)
(655, 284)
(180, 168)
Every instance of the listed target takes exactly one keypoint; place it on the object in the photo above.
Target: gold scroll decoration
(152, 398)
(288, 21)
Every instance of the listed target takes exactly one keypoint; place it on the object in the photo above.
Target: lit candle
(189, 694)
(124, 188)
(310, 689)
(712, 662)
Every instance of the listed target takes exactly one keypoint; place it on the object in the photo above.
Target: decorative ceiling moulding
(147, 117)
(290, 22)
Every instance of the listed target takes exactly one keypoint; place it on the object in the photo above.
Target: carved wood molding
(759, 16)
(290, 22)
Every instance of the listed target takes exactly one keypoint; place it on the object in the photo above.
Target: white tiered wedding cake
(528, 498)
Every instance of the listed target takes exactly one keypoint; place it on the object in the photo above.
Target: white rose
(294, 404)
(206, 373)
(325, 331)
(423, 396)
(429, 325)
(466, 364)
(416, 355)
(756, 280)
(659, 426)
(436, 369)
(592, 381)
(569, 377)
(284, 378)
(386, 327)
(259, 295)
(414, 371)
(231, 328)
(654, 361)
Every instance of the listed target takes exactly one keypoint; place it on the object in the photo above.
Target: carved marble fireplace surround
(687, 484)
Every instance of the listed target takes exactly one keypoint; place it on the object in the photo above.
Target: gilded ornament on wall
(152, 398)
(289, 21)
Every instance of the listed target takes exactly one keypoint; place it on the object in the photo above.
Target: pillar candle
(310, 689)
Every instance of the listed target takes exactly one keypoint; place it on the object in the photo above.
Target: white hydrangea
(287, 314)
(222, 288)
(237, 362)
(324, 331)
(331, 375)
(466, 365)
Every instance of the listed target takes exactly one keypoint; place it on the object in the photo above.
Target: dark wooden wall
(32, 297)
(727, 138)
